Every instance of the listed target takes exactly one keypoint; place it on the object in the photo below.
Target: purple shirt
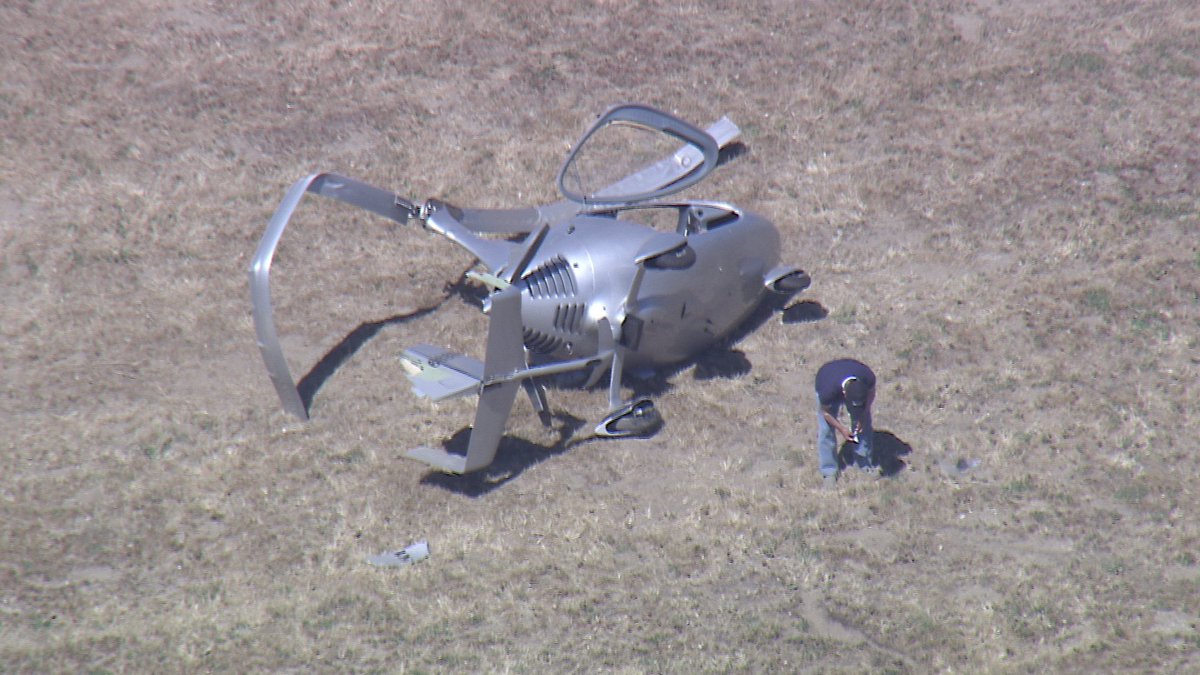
(831, 375)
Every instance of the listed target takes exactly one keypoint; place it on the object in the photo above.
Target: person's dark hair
(856, 394)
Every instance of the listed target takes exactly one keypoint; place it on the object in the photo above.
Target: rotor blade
(368, 197)
(662, 173)
(362, 195)
(670, 170)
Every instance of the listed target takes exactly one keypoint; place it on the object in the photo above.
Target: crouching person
(850, 383)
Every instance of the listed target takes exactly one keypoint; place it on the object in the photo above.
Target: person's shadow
(888, 452)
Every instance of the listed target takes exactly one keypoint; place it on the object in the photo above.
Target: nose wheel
(634, 419)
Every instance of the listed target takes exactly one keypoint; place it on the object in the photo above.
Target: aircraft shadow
(513, 457)
(805, 311)
(722, 361)
(322, 370)
(731, 152)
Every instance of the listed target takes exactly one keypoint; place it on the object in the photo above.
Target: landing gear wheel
(638, 418)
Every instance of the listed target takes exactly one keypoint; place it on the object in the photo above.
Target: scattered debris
(407, 556)
(964, 464)
(960, 466)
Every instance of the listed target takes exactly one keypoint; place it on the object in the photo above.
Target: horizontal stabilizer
(439, 374)
(440, 459)
(495, 402)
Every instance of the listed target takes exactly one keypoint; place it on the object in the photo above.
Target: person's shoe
(830, 482)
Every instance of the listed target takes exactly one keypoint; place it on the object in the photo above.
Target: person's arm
(833, 422)
(858, 426)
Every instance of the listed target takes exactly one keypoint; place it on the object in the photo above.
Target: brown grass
(998, 206)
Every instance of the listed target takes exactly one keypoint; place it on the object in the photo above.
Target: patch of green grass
(1153, 324)
(44, 622)
(790, 544)
(1132, 494)
(32, 265)
(350, 457)
(205, 421)
(1114, 567)
(545, 77)
(207, 592)
(845, 315)
(920, 344)
(157, 450)
(1020, 486)
(1140, 209)
(1098, 300)
(1085, 62)
(850, 104)
(121, 256)
(1182, 69)
(1165, 59)
(1029, 620)
(762, 631)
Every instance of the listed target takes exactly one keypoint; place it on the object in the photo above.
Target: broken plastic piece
(407, 556)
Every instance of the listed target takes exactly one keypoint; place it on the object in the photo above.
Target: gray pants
(827, 446)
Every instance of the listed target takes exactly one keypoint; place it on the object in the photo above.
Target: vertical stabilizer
(505, 356)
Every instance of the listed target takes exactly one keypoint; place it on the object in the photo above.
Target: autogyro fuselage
(591, 287)
(686, 300)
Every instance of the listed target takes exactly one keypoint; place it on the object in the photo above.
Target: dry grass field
(998, 202)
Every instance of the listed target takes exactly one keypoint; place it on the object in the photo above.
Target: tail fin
(505, 356)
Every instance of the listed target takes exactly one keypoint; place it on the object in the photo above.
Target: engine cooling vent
(567, 317)
(553, 279)
(537, 341)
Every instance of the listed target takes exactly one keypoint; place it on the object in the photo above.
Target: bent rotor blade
(348, 190)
